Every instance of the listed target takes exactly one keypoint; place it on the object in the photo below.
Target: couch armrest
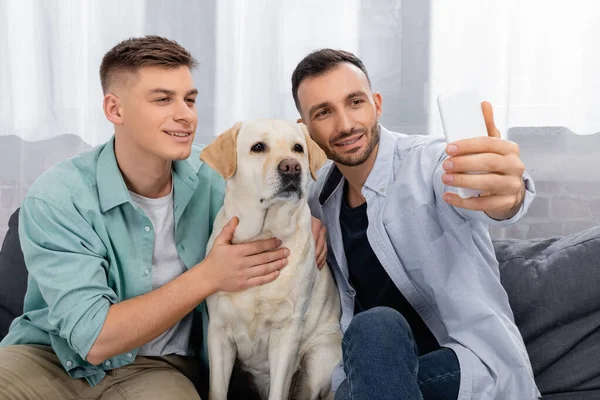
(13, 276)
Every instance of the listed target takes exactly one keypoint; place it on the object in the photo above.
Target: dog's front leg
(221, 356)
(284, 345)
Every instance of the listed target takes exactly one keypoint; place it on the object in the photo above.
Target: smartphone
(462, 118)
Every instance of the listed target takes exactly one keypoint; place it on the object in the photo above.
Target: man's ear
(316, 156)
(378, 100)
(112, 109)
(221, 153)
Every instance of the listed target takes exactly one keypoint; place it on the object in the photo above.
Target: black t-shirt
(372, 283)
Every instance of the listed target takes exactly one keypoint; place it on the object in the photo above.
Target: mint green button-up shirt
(87, 246)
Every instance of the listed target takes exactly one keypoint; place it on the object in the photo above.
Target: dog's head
(271, 160)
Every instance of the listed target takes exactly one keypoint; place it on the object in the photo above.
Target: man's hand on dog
(319, 231)
(501, 172)
(235, 267)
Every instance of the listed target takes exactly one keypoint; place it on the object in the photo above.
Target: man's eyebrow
(358, 93)
(170, 92)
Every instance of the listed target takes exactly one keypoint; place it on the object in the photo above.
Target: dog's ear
(221, 153)
(316, 156)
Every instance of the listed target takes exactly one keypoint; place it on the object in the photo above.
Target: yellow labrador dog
(286, 333)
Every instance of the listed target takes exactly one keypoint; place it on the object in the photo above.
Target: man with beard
(423, 311)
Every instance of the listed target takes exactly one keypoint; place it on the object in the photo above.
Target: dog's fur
(286, 333)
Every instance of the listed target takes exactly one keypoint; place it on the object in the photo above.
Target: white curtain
(50, 53)
(538, 61)
(259, 43)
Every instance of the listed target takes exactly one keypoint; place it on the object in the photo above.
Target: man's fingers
(267, 268)
(316, 226)
(319, 234)
(323, 234)
(262, 280)
(488, 116)
(259, 246)
(486, 162)
(267, 257)
(481, 203)
(321, 259)
(493, 183)
(482, 144)
(322, 241)
(227, 232)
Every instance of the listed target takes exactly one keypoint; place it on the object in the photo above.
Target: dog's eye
(298, 148)
(258, 147)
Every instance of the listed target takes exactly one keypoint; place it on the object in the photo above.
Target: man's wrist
(200, 274)
(512, 211)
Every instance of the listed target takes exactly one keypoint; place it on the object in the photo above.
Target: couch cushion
(554, 290)
(583, 395)
(13, 281)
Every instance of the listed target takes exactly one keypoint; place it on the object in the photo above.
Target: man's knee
(378, 323)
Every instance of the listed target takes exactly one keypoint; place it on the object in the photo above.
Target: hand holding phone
(462, 118)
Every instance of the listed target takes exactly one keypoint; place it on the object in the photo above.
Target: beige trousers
(33, 372)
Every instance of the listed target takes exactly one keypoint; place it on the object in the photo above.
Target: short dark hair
(131, 54)
(320, 61)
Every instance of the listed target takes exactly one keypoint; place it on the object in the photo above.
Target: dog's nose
(289, 166)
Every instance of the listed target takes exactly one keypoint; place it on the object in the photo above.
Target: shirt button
(69, 363)
(382, 189)
(129, 355)
(146, 271)
(107, 363)
(147, 229)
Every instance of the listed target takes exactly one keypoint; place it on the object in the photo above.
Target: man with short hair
(114, 240)
(423, 312)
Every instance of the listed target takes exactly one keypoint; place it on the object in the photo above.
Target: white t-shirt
(166, 266)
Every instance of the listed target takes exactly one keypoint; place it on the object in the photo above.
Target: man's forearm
(137, 321)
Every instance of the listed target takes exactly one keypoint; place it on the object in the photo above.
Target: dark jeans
(381, 362)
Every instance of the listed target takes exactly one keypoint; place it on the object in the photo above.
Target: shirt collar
(112, 190)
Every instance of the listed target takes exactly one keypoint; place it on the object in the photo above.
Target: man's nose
(289, 166)
(344, 122)
(183, 112)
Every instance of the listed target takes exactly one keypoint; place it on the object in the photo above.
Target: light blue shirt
(88, 246)
(440, 257)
